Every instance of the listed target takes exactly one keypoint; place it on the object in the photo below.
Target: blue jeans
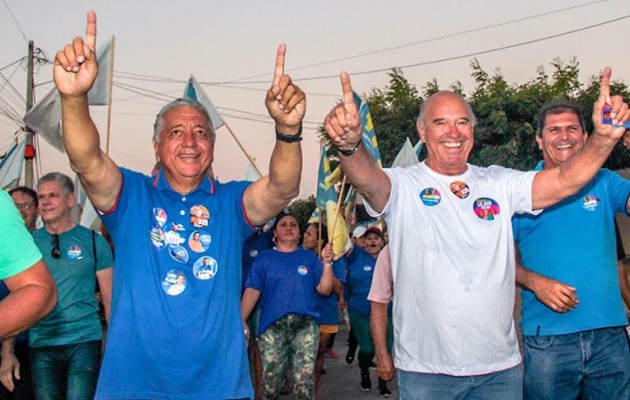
(501, 385)
(66, 372)
(590, 364)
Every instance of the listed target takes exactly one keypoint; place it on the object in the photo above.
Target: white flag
(194, 91)
(11, 166)
(406, 156)
(45, 117)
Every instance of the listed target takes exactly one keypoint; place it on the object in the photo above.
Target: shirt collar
(160, 183)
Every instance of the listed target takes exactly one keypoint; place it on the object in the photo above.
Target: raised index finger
(90, 31)
(346, 86)
(604, 86)
(279, 70)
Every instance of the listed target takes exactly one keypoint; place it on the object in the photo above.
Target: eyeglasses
(55, 252)
(25, 206)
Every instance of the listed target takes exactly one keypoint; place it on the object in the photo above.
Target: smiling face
(54, 203)
(561, 137)
(185, 149)
(446, 128)
(27, 208)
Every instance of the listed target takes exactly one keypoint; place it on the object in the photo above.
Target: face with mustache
(186, 148)
(562, 136)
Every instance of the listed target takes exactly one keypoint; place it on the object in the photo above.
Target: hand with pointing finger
(285, 101)
(619, 113)
(76, 67)
(343, 123)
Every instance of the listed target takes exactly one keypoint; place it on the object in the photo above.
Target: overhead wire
(15, 20)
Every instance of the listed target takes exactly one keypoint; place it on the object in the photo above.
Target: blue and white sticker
(253, 253)
(205, 268)
(430, 196)
(174, 235)
(302, 270)
(178, 253)
(157, 237)
(74, 252)
(590, 202)
(199, 216)
(199, 241)
(367, 268)
(174, 282)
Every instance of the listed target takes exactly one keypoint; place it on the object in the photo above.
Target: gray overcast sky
(230, 40)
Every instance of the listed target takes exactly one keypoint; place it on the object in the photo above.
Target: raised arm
(343, 126)
(554, 184)
(286, 104)
(74, 74)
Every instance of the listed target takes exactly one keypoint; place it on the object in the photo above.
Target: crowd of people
(196, 281)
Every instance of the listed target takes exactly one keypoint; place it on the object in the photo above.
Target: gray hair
(64, 180)
(423, 108)
(182, 102)
(555, 107)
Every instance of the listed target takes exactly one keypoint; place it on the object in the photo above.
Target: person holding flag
(187, 343)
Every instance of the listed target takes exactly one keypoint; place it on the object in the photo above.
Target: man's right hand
(554, 294)
(76, 66)
(385, 367)
(9, 368)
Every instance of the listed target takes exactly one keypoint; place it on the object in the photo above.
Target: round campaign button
(460, 189)
(205, 268)
(178, 253)
(74, 252)
(430, 197)
(302, 270)
(157, 237)
(175, 235)
(160, 216)
(486, 208)
(199, 241)
(199, 216)
(174, 282)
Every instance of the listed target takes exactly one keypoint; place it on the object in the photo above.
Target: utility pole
(28, 163)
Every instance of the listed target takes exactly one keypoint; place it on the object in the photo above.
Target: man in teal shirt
(66, 345)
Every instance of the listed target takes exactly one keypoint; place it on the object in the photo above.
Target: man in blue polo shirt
(186, 342)
(572, 311)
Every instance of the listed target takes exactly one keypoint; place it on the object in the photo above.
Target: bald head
(439, 98)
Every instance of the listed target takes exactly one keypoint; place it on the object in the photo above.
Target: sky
(232, 45)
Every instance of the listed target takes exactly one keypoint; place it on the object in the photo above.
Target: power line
(15, 20)
(477, 53)
(450, 35)
(13, 63)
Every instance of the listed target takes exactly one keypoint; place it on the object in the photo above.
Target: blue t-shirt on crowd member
(328, 306)
(176, 329)
(287, 283)
(574, 243)
(252, 247)
(359, 280)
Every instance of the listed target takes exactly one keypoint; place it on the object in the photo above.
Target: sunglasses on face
(55, 252)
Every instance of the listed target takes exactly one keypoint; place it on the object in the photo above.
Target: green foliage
(505, 130)
(302, 209)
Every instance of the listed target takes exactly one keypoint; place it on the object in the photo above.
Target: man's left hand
(620, 114)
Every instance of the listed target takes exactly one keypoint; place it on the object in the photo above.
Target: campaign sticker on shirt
(74, 252)
(157, 237)
(205, 268)
(430, 197)
(199, 241)
(302, 270)
(173, 236)
(199, 216)
(253, 253)
(590, 202)
(174, 282)
(178, 253)
(486, 208)
(367, 268)
(160, 216)
(460, 189)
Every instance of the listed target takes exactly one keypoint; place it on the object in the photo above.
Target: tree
(302, 209)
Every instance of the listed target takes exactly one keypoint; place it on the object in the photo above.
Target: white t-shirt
(452, 259)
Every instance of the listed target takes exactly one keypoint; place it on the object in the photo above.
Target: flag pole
(242, 148)
(109, 94)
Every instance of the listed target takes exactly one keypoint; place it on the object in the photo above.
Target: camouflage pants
(294, 338)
